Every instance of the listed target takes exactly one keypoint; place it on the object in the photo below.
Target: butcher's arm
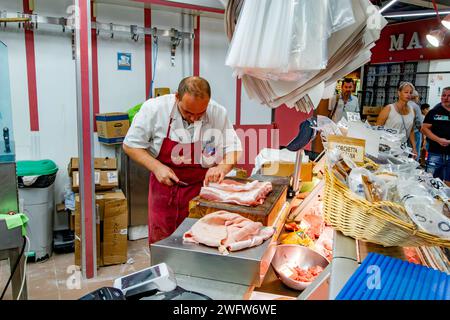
(163, 173)
(141, 157)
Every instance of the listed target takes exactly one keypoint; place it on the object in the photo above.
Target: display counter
(347, 255)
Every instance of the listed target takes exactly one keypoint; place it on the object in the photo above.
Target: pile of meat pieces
(229, 191)
(228, 232)
(306, 275)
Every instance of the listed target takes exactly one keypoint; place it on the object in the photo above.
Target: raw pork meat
(226, 230)
(324, 245)
(306, 275)
(315, 225)
(249, 194)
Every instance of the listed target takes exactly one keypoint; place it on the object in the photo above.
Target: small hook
(112, 31)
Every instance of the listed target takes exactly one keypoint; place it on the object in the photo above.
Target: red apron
(169, 206)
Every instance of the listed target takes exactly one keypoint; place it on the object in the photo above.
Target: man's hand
(165, 175)
(443, 142)
(215, 174)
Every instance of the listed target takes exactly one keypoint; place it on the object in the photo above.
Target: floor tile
(53, 278)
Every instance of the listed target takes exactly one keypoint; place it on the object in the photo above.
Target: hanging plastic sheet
(262, 38)
(347, 48)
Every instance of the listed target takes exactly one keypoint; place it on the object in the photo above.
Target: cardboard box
(112, 127)
(372, 119)
(99, 163)
(104, 180)
(77, 222)
(286, 169)
(372, 111)
(115, 229)
(112, 230)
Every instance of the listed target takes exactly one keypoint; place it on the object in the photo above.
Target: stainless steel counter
(240, 267)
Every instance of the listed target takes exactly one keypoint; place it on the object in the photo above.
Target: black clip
(134, 33)
(112, 30)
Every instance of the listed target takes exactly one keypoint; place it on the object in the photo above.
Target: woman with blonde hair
(400, 116)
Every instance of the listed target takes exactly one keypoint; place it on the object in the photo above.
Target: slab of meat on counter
(228, 232)
(229, 191)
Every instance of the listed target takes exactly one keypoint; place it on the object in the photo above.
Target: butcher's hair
(445, 89)
(196, 86)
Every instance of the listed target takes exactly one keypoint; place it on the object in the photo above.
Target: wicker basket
(385, 223)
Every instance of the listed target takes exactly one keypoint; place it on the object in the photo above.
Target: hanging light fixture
(446, 22)
(436, 37)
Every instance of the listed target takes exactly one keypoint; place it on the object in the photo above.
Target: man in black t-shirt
(436, 127)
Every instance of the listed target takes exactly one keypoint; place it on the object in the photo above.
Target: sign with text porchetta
(406, 41)
(351, 147)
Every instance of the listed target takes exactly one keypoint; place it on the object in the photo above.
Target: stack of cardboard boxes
(111, 213)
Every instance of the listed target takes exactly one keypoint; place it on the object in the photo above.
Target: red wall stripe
(197, 48)
(238, 101)
(182, 5)
(95, 92)
(31, 73)
(148, 53)
(87, 147)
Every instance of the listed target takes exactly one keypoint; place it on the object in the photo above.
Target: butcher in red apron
(168, 206)
(177, 174)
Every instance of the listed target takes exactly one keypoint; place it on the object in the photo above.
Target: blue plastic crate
(385, 278)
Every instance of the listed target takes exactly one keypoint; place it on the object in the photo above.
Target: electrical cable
(13, 271)
(437, 11)
(155, 59)
(24, 268)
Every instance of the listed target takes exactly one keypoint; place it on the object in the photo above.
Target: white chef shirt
(342, 108)
(149, 128)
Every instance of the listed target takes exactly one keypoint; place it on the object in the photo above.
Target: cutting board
(265, 213)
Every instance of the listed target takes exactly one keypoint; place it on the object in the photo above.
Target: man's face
(192, 108)
(445, 99)
(347, 88)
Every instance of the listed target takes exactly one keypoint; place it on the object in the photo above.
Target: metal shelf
(32, 21)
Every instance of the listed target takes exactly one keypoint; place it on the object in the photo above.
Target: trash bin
(36, 199)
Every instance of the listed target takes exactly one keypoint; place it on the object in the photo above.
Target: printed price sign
(351, 147)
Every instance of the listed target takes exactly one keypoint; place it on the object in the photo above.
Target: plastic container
(44, 170)
(36, 198)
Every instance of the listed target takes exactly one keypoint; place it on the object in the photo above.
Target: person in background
(418, 120)
(340, 104)
(424, 108)
(436, 127)
(400, 116)
(171, 136)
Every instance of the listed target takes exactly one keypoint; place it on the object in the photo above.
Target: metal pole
(85, 136)
(298, 170)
